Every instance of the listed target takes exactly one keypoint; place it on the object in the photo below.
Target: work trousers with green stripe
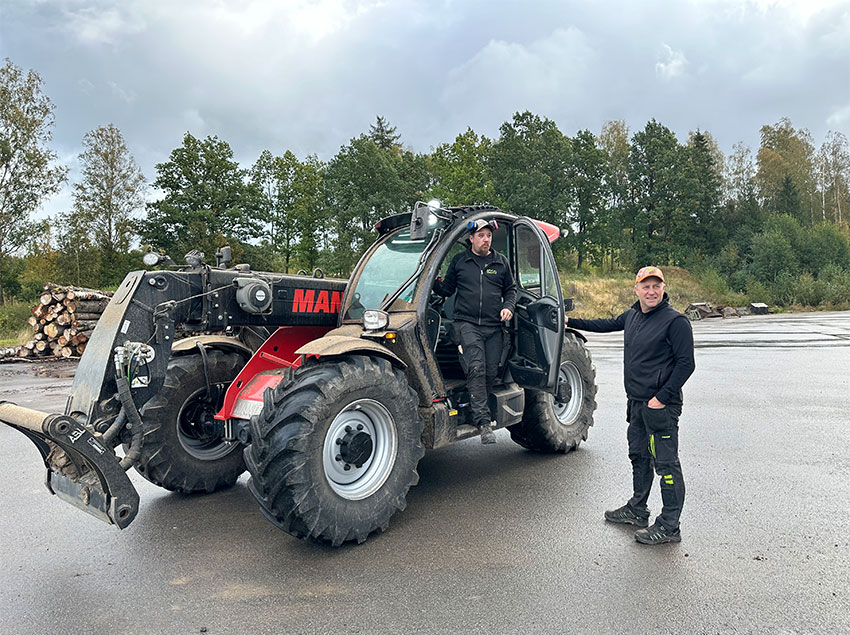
(653, 436)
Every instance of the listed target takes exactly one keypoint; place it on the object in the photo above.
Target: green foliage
(654, 216)
(13, 319)
(208, 201)
(786, 156)
(758, 292)
(773, 257)
(529, 166)
(363, 184)
(699, 197)
(28, 175)
(587, 176)
(292, 206)
(384, 135)
(777, 233)
(461, 173)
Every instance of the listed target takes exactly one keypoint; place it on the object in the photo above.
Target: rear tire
(356, 411)
(176, 453)
(551, 426)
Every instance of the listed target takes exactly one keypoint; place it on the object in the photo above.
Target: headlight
(374, 320)
(151, 259)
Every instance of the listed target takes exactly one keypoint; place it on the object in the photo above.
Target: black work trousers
(653, 436)
(480, 349)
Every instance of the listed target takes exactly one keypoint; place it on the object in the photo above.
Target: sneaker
(487, 435)
(657, 535)
(626, 515)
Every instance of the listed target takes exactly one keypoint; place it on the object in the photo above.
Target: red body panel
(552, 233)
(276, 352)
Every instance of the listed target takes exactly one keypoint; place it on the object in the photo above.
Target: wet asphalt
(495, 539)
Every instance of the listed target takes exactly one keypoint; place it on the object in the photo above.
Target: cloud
(121, 93)
(85, 86)
(308, 75)
(839, 119)
(97, 25)
(504, 77)
(673, 66)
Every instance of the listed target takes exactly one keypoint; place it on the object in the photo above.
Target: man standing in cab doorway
(486, 297)
(658, 358)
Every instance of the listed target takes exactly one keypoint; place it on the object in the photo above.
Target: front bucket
(80, 469)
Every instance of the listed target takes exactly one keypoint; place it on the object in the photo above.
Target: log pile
(63, 321)
(8, 352)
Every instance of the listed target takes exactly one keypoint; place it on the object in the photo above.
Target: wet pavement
(494, 539)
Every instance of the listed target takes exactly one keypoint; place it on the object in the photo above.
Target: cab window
(528, 261)
(550, 277)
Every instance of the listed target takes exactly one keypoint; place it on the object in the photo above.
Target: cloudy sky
(308, 75)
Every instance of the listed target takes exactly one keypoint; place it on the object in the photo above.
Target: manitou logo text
(312, 301)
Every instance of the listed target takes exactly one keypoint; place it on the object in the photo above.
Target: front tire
(177, 453)
(550, 425)
(334, 451)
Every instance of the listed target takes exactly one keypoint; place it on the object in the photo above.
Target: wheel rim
(363, 432)
(190, 428)
(567, 412)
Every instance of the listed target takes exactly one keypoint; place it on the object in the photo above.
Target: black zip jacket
(482, 291)
(658, 355)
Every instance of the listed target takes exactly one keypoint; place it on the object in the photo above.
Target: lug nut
(359, 427)
(338, 457)
(346, 467)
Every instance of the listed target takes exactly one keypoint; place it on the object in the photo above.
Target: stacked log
(63, 321)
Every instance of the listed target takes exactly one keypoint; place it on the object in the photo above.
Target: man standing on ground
(486, 296)
(658, 359)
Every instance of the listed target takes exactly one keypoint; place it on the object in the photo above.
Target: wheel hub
(564, 392)
(359, 450)
(355, 447)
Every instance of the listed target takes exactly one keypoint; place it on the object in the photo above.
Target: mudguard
(346, 344)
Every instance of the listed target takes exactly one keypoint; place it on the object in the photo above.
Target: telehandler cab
(327, 392)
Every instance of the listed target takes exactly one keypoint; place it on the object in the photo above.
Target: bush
(713, 282)
(13, 319)
(806, 291)
(774, 258)
(758, 292)
(836, 285)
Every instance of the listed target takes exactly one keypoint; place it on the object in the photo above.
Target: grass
(14, 329)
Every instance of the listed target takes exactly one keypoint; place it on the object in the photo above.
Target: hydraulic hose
(115, 428)
(134, 422)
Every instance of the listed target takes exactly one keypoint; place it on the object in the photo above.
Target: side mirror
(569, 305)
(223, 257)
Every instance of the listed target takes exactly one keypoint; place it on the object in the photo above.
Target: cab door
(539, 310)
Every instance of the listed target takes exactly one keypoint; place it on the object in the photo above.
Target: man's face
(481, 241)
(650, 292)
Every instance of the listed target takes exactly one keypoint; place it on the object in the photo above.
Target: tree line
(773, 224)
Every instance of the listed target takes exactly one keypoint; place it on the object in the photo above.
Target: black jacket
(482, 291)
(658, 355)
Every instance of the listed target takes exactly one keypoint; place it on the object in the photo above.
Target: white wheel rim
(568, 411)
(364, 416)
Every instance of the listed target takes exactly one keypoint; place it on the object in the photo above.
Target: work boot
(657, 535)
(626, 515)
(487, 435)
